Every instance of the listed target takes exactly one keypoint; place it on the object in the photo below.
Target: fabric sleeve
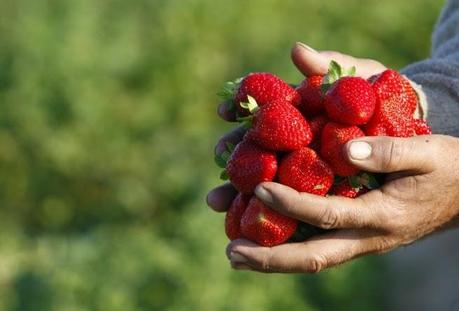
(439, 75)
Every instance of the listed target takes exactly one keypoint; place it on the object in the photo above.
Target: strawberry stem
(335, 72)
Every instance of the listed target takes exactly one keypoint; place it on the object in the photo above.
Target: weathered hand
(421, 196)
(309, 62)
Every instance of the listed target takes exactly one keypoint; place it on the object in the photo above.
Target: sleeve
(437, 78)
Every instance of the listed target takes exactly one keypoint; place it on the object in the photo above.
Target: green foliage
(107, 126)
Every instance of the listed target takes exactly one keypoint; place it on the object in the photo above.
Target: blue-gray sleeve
(439, 75)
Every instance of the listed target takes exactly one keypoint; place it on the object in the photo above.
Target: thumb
(390, 154)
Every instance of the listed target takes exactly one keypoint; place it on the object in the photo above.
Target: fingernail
(360, 150)
(307, 47)
(237, 258)
(264, 195)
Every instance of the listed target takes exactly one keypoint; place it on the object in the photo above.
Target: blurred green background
(107, 127)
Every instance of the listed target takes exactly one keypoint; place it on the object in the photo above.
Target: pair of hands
(420, 196)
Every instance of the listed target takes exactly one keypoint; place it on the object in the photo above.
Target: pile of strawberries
(295, 136)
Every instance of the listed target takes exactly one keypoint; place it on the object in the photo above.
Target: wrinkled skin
(420, 196)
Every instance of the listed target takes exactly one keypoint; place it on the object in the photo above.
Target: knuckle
(315, 264)
(383, 245)
(392, 154)
(265, 264)
(329, 218)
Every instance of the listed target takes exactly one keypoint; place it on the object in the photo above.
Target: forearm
(439, 75)
(440, 82)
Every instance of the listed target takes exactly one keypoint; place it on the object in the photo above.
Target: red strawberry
(317, 124)
(304, 171)
(279, 127)
(421, 127)
(334, 137)
(266, 88)
(312, 97)
(396, 102)
(350, 100)
(344, 189)
(250, 165)
(265, 226)
(234, 215)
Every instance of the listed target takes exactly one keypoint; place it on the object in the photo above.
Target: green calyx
(335, 72)
(366, 180)
(222, 159)
(229, 89)
(252, 106)
(224, 175)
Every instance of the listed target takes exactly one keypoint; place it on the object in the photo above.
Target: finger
(392, 154)
(226, 111)
(311, 62)
(324, 212)
(220, 198)
(233, 137)
(312, 256)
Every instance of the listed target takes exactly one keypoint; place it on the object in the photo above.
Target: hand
(419, 197)
(309, 62)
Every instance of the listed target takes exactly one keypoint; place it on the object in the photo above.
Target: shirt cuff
(422, 108)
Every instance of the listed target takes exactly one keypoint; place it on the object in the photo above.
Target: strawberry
(350, 100)
(334, 137)
(264, 87)
(312, 97)
(396, 102)
(264, 226)
(421, 127)
(234, 215)
(317, 124)
(344, 189)
(278, 127)
(304, 171)
(250, 165)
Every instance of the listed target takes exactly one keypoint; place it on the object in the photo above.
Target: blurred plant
(107, 121)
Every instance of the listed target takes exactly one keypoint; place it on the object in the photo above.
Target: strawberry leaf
(230, 146)
(250, 105)
(224, 175)
(369, 181)
(338, 179)
(335, 72)
(225, 155)
(354, 181)
(303, 232)
(351, 71)
(220, 161)
(246, 122)
(229, 89)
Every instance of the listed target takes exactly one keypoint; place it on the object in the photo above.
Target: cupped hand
(421, 196)
(309, 62)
